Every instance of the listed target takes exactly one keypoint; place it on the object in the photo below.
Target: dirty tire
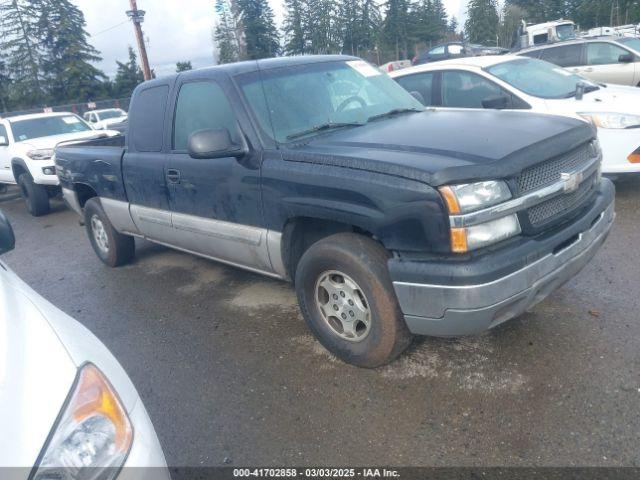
(364, 263)
(113, 248)
(35, 196)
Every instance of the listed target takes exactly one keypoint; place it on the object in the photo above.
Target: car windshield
(47, 126)
(566, 32)
(631, 42)
(538, 78)
(296, 101)
(107, 114)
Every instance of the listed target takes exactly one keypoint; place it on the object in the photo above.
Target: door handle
(173, 176)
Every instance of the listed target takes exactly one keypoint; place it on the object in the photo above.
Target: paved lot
(229, 372)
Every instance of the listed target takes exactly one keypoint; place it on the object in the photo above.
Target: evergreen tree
(295, 27)
(324, 26)
(183, 66)
(228, 35)
(261, 34)
(360, 22)
(429, 22)
(396, 27)
(66, 54)
(128, 76)
(20, 45)
(482, 22)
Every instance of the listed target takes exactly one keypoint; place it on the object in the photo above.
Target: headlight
(478, 236)
(475, 196)
(93, 431)
(612, 120)
(41, 154)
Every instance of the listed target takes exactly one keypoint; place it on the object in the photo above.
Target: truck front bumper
(453, 310)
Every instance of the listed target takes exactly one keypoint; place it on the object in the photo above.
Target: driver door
(6, 175)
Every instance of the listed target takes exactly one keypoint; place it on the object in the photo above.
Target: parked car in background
(104, 119)
(396, 65)
(67, 407)
(391, 220)
(525, 84)
(605, 59)
(451, 50)
(26, 151)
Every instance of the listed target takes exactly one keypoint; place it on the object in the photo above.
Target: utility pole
(137, 17)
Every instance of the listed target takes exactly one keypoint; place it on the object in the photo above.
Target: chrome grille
(547, 173)
(547, 210)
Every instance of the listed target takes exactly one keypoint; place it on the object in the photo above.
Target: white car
(26, 150)
(525, 84)
(65, 401)
(103, 119)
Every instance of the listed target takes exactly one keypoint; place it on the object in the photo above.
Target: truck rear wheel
(112, 247)
(347, 299)
(35, 196)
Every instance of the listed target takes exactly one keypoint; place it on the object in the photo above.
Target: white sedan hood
(52, 141)
(610, 98)
(36, 375)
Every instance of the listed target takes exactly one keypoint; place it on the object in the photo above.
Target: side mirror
(626, 58)
(213, 143)
(7, 239)
(4, 141)
(418, 96)
(496, 103)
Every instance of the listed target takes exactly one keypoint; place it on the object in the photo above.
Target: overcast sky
(176, 30)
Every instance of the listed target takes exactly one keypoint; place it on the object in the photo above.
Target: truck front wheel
(347, 299)
(35, 196)
(112, 247)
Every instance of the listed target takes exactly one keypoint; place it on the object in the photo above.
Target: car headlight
(475, 196)
(40, 154)
(93, 431)
(472, 197)
(612, 120)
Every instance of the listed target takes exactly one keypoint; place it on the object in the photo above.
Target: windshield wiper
(587, 89)
(323, 126)
(395, 111)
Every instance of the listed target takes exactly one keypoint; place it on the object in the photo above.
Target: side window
(456, 49)
(604, 53)
(3, 134)
(467, 90)
(419, 82)
(540, 39)
(567, 56)
(202, 105)
(147, 118)
(437, 51)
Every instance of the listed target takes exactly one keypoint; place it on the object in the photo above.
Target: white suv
(103, 119)
(601, 59)
(26, 150)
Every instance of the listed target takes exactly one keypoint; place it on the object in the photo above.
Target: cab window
(468, 90)
(3, 134)
(565, 56)
(601, 53)
(202, 106)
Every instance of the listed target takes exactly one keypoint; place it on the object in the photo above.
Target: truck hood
(36, 375)
(52, 141)
(440, 147)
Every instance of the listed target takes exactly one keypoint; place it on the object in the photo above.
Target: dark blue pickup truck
(389, 219)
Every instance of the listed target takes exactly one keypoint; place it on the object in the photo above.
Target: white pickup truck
(26, 149)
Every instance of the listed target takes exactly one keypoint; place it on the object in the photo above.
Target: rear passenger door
(610, 63)
(215, 203)
(566, 56)
(143, 166)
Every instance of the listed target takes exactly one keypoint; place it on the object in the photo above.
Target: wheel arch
(18, 167)
(85, 192)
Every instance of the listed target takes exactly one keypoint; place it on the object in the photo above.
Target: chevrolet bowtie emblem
(571, 180)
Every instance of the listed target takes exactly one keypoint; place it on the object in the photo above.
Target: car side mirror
(213, 143)
(496, 103)
(7, 239)
(418, 96)
(4, 141)
(626, 58)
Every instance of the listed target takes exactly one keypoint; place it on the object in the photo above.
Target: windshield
(538, 78)
(566, 32)
(631, 42)
(107, 114)
(296, 101)
(47, 126)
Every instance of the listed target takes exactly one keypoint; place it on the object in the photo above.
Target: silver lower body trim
(70, 197)
(442, 310)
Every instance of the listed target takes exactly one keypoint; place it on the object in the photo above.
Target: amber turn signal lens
(450, 198)
(635, 156)
(459, 240)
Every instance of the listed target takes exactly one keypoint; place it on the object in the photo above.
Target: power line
(110, 28)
